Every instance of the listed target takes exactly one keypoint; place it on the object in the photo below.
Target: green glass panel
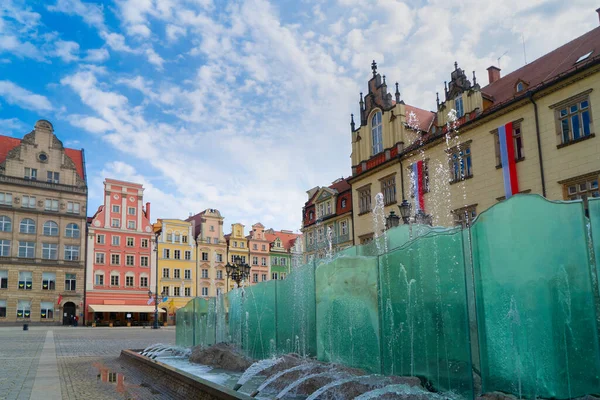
(424, 312)
(347, 312)
(222, 329)
(235, 314)
(296, 312)
(594, 212)
(259, 336)
(535, 306)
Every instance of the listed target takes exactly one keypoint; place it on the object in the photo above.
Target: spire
(437, 99)
(397, 93)
(361, 102)
(474, 79)
(374, 68)
(455, 65)
(384, 79)
(446, 89)
(352, 124)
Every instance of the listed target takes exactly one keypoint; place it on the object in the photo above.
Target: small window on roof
(520, 87)
(584, 57)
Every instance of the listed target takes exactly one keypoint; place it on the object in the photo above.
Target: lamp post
(157, 231)
(238, 271)
(392, 220)
(420, 216)
(405, 207)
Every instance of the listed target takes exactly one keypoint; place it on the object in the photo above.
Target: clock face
(116, 197)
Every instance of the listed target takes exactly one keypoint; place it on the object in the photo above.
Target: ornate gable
(378, 96)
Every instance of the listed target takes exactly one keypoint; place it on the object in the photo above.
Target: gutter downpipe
(539, 143)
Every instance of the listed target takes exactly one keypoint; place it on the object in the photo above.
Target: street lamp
(157, 231)
(238, 271)
(392, 220)
(405, 207)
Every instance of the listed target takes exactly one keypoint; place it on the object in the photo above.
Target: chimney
(148, 211)
(598, 11)
(493, 74)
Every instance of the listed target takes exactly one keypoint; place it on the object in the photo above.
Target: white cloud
(66, 50)
(13, 45)
(92, 13)
(97, 55)
(154, 58)
(174, 32)
(14, 94)
(10, 125)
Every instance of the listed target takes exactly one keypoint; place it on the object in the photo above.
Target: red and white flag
(507, 158)
(150, 300)
(419, 190)
(59, 299)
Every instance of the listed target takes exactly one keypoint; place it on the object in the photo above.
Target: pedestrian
(76, 320)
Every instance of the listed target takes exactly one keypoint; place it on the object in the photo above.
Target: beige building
(43, 204)
(211, 254)
(549, 103)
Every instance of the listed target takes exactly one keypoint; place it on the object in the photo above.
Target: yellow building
(177, 270)
(237, 245)
(549, 104)
(212, 252)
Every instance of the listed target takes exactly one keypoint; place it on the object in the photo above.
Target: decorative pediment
(324, 195)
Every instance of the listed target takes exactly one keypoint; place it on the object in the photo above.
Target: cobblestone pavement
(88, 362)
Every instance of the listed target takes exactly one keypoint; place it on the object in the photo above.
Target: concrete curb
(179, 381)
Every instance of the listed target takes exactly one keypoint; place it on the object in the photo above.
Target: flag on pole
(507, 158)
(59, 299)
(417, 178)
(150, 300)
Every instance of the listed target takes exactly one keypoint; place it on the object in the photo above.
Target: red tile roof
(7, 143)
(424, 117)
(547, 67)
(288, 239)
(340, 187)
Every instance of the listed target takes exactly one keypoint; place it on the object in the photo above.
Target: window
(234, 244)
(23, 309)
(328, 205)
(520, 87)
(72, 231)
(100, 239)
(264, 277)
(177, 238)
(343, 203)
(144, 243)
(71, 253)
(187, 292)
(282, 261)
(212, 228)
(274, 276)
(184, 239)
(5, 224)
(115, 223)
(116, 240)
(27, 226)
(187, 274)
(2, 308)
(6, 199)
(99, 281)
(205, 273)
(364, 199)
(219, 257)
(376, 133)
(130, 224)
(49, 251)
(4, 279)
(130, 242)
(273, 260)
(219, 274)
(321, 210)
(320, 236)
(70, 282)
(116, 209)
(129, 260)
(28, 201)
(131, 210)
(129, 281)
(242, 245)
(52, 177)
(310, 238)
(264, 247)
(254, 278)
(72, 208)
(263, 261)
(177, 273)
(575, 120)
(51, 205)
(30, 173)
(388, 188)
(204, 291)
(166, 253)
(517, 143)
(143, 281)
(143, 261)
(165, 272)
(344, 227)
(48, 280)
(25, 280)
(177, 254)
(204, 256)
(26, 249)
(464, 216)
(115, 259)
(4, 248)
(165, 291)
(582, 189)
(458, 106)
(100, 258)
(188, 255)
(176, 291)
(169, 237)
(254, 246)
(50, 228)
(282, 276)
(254, 260)
(461, 167)
(114, 280)
(46, 310)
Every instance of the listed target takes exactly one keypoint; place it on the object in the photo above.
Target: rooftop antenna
(501, 57)
(524, 53)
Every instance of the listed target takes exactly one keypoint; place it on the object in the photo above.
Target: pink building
(120, 264)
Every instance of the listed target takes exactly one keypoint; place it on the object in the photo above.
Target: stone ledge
(178, 381)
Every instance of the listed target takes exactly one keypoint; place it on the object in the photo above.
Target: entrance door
(69, 313)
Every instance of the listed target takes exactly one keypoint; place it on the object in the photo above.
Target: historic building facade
(177, 270)
(531, 131)
(120, 258)
(43, 202)
(327, 216)
(237, 245)
(281, 255)
(258, 247)
(211, 252)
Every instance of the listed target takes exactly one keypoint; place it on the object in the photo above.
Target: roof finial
(361, 102)
(474, 79)
(352, 124)
(446, 88)
(455, 65)
(384, 79)
(374, 68)
(397, 93)
(437, 99)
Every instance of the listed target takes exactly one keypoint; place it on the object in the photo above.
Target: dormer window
(458, 107)
(519, 87)
(376, 133)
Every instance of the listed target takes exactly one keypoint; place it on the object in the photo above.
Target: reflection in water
(114, 378)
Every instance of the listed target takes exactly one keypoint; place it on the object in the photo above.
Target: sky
(244, 105)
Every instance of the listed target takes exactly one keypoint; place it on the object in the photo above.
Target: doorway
(69, 313)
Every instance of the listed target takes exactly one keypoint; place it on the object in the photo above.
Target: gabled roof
(287, 239)
(340, 186)
(548, 67)
(424, 117)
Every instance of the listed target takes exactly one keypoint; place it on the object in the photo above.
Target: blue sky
(243, 105)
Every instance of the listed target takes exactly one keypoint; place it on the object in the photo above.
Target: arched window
(50, 228)
(519, 87)
(72, 231)
(5, 224)
(376, 135)
(27, 226)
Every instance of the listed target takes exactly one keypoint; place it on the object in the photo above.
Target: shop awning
(122, 308)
